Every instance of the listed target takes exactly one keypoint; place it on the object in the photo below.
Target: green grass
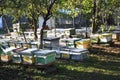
(96, 67)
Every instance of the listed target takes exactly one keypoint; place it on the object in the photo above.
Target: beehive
(65, 54)
(78, 54)
(27, 55)
(106, 37)
(44, 57)
(17, 58)
(94, 38)
(84, 43)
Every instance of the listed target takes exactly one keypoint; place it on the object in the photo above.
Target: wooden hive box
(105, 38)
(44, 57)
(78, 54)
(94, 38)
(84, 44)
(27, 55)
(17, 58)
(65, 54)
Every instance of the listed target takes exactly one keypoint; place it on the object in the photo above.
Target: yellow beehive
(27, 55)
(6, 58)
(84, 43)
(28, 59)
(65, 54)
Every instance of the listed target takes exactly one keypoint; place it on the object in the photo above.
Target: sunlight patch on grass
(93, 69)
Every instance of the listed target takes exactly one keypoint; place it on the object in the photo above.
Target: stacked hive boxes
(61, 32)
(70, 42)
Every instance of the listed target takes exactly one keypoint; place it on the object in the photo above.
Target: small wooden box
(70, 42)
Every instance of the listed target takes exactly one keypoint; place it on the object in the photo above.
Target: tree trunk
(94, 19)
(35, 28)
(73, 22)
(41, 35)
(34, 21)
(6, 24)
(22, 30)
(24, 36)
(105, 23)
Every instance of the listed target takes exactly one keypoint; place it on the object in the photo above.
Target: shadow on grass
(61, 73)
(64, 74)
(7, 73)
(94, 63)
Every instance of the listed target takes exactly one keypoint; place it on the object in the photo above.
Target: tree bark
(22, 29)
(41, 34)
(94, 19)
(35, 28)
(6, 24)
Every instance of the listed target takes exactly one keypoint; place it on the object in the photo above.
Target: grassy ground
(101, 65)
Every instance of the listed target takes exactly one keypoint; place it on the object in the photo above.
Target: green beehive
(16, 59)
(44, 57)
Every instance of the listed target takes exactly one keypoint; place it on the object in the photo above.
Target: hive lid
(44, 52)
(28, 51)
(78, 50)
